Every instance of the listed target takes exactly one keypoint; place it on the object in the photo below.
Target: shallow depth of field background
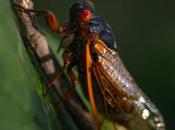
(145, 32)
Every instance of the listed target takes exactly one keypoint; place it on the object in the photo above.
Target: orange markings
(52, 21)
(88, 67)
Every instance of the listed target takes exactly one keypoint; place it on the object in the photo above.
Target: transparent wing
(120, 90)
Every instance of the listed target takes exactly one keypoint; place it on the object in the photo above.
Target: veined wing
(121, 92)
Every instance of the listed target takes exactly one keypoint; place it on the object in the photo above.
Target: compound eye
(85, 15)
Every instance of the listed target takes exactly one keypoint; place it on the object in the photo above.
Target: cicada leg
(50, 17)
(70, 90)
(67, 60)
(72, 77)
(67, 56)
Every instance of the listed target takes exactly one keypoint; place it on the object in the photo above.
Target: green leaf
(21, 104)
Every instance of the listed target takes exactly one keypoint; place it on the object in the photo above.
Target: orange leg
(50, 17)
(70, 90)
(67, 59)
(72, 77)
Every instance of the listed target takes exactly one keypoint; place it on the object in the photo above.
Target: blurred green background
(145, 32)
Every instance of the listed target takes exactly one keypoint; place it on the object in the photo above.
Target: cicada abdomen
(124, 100)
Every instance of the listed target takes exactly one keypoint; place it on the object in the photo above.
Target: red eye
(85, 15)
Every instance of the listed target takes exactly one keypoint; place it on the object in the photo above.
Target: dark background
(145, 32)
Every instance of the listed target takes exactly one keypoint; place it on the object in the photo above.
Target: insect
(109, 86)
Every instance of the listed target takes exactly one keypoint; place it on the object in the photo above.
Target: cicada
(110, 88)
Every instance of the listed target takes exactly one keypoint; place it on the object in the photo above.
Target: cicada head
(81, 11)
